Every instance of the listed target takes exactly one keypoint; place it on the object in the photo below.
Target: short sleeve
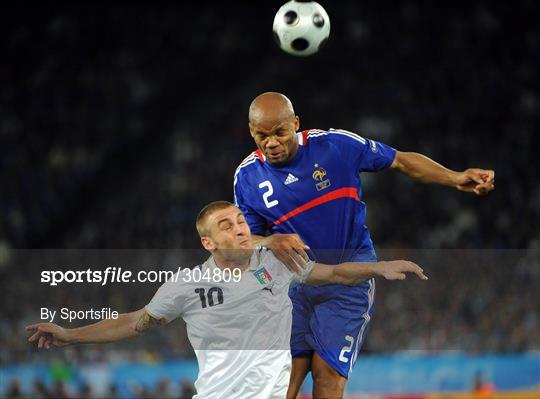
(363, 154)
(167, 302)
(257, 224)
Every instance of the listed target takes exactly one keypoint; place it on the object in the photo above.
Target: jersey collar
(254, 261)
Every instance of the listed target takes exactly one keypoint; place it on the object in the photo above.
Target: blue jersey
(317, 195)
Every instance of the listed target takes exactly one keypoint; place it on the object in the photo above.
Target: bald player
(302, 191)
(240, 329)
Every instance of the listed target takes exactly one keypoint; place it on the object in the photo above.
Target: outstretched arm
(125, 326)
(352, 273)
(424, 169)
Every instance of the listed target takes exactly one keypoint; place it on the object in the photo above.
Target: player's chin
(246, 244)
(280, 160)
(240, 255)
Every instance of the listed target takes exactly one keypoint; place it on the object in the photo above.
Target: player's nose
(238, 230)
(272, 142)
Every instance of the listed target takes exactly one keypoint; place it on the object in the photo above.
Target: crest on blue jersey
(319, 176)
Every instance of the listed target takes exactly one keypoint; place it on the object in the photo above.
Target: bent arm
(288, 248)
(424, 169)
(259, 240)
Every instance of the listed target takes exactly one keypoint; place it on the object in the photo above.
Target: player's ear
(296, 123)
(251, 129)
(207, 243)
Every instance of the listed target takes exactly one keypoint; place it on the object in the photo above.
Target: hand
(397, 269)
(289, 249)
(49, 334)
(479, 181)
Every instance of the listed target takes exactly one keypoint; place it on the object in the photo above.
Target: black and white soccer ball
(301, 27)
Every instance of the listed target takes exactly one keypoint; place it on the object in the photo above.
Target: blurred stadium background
(119, 122)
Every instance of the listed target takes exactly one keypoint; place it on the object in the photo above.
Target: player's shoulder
(264, 252)
(332, 135)
(249, 163)
(268, 258)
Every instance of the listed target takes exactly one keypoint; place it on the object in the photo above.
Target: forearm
(258, 240)
(353, 273)
(109, 330)
(348, 273)
(424, 169)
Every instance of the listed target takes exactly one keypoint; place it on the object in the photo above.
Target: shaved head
(273, 126)
(269, 109)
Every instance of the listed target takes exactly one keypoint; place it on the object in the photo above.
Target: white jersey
(240, 330)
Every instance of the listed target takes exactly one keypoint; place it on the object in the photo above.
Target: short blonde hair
(206, 211)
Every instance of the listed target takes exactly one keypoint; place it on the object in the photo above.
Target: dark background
(119, 122)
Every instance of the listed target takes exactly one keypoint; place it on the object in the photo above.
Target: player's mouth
(246, 243)
(275, 155)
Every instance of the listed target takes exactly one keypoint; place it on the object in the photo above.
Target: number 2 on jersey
(346, 349)
(266, 195)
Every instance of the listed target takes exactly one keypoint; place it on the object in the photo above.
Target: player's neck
(294, 151)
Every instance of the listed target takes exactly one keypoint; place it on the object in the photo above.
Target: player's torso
(243, 374)
(239, 315)
(316, 196)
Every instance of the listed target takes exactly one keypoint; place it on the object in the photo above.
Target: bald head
(269, 109)
(273, 126)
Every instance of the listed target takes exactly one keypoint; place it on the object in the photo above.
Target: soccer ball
(301, 27)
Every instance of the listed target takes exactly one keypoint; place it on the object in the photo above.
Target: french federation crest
(263, 276)
(319, 176)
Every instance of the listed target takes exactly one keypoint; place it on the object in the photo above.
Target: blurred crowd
(114, 135)
(118, 123)
(164, 389)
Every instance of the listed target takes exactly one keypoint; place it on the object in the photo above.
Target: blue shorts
(331, 320)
